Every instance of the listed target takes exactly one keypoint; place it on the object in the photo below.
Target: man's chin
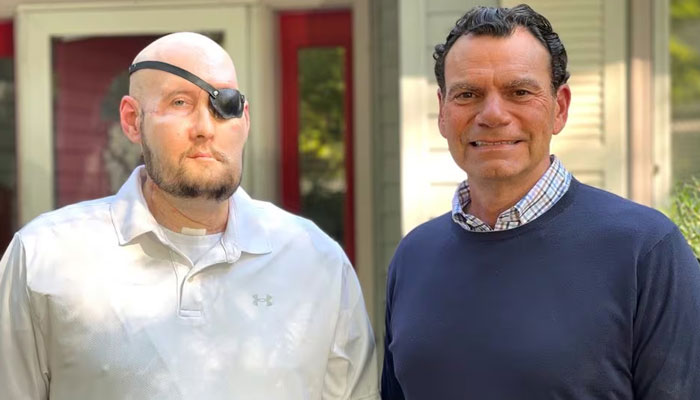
(496, 170)
(187, 189)
(218, 191)
(208, 176)
(214, 183)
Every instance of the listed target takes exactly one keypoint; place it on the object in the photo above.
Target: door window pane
(322, 175)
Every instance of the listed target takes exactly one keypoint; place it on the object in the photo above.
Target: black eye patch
(226, 103)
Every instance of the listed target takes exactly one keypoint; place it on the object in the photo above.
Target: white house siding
(385, 147)
(594, 143)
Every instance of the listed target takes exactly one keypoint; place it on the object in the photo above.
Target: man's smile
(493, 144)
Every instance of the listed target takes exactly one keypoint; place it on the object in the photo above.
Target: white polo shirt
(96, 303)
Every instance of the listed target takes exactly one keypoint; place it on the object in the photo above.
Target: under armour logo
(257, 300)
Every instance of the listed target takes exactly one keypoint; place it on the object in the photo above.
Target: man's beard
(174, 180)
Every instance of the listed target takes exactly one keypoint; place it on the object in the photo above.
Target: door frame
(304, 31)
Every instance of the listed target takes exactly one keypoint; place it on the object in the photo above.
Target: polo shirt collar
(246, 225)
(245, 229)
(130, 214)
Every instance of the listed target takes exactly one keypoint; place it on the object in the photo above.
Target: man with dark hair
(534, 286)
(181, 286)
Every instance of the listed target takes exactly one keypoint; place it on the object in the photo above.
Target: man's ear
(561, 109)
(130, 118)
(246, 116)
(441, 116)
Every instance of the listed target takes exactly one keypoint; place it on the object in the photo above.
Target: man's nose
(493, 112)
(204, 126)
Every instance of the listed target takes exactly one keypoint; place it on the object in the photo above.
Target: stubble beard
(174, 180)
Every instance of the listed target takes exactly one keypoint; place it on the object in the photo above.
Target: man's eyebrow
(463, 87)
(177, 92)
(524, 82)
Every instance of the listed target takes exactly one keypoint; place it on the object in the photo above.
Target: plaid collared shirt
(546, 192)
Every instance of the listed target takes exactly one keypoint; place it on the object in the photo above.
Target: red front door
(317, 161)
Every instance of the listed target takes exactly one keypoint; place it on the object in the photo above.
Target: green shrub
(685, 212)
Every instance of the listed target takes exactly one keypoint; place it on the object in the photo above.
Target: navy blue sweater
(599, 298)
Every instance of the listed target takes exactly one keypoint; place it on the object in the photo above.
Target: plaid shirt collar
(546, 192)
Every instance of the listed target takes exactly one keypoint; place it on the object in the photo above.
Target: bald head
(193, 52)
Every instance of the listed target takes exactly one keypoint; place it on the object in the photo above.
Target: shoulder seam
(673, 230)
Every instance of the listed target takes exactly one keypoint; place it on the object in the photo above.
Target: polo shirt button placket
(190, 298)
(188, 286)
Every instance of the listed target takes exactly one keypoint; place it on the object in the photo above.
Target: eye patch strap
(177, 71)
(226, 103)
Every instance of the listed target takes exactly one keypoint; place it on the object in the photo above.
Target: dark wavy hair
(501, 22)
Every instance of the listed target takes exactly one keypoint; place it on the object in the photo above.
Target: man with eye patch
(535, 285)
(181, 286)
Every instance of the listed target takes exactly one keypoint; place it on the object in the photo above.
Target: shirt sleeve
(391, 389)
(351, 372)
(666, 329)
(23, 372)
